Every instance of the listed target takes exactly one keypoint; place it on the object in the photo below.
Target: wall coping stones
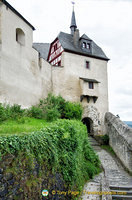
(123, 129)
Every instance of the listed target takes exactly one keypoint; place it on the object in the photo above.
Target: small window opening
(87, 65)
(55, 47)
(59, 63)
(91, 85)
(20, 36)
(39, 60)
(16, 36)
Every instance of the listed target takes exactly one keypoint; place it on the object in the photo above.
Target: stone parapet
(120, 136)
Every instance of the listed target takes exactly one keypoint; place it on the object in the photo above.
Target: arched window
(20, 36)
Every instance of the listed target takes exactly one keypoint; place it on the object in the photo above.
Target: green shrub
(35, 112)
(23, 120)
(92, 169)
(51, 108)
(52, 103)
(55, 107)
(2, 113)
(105, 139)
(52, 114)
(72, 111)
(11, 112)
(15, 111)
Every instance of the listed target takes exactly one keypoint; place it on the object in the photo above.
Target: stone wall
(24, 76)
(92, 113)
(18, 180)
(120, 139)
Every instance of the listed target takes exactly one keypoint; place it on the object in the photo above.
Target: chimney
(76, 37)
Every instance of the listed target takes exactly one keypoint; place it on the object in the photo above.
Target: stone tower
(79, 74)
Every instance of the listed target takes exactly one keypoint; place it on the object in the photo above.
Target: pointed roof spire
(73, 21)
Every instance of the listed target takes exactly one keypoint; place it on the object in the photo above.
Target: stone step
(127, 190)
(121, 197)
(91, 139)
(96, 148)
(128, 193)
(93, 142)
(115, 176)
(116, 182)
(121, 188)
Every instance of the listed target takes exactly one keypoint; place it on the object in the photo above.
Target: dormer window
(84, 45)
(88, 46)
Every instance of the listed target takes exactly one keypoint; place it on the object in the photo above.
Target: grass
(21, 125)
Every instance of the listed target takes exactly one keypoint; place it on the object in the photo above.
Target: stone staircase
(94, 144)
(122, 192)
(119, 181)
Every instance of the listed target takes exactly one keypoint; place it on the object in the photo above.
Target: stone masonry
(113, 176)
(120, 139)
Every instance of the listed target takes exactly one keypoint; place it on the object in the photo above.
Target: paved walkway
(114, 174)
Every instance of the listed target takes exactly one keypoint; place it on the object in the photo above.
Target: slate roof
(89, 80)
(67, 43)
(17, 13)
(84, 36)
(42, 48)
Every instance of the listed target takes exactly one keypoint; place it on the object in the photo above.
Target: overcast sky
(107, 22)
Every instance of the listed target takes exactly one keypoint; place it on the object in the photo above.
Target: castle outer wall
(24, 77)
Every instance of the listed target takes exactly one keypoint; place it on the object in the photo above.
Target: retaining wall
(18, 180)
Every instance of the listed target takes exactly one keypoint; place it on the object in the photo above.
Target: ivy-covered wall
(56, 158)
(20, 180)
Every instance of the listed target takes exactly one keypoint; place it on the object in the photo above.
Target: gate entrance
(89, 124)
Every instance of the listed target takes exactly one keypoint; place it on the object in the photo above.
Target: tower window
(91, 85)
(87, 65)
(20, 36)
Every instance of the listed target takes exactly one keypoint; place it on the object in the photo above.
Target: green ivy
(63, 145)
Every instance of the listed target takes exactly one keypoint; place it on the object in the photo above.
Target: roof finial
(73, 21)
(73, 3)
